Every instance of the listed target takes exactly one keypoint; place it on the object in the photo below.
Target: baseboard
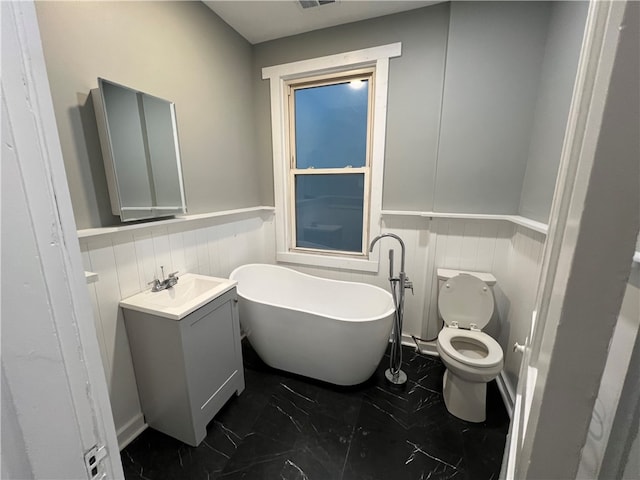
(130, 431)
(407, 341)
(506, 391)
(426, 348)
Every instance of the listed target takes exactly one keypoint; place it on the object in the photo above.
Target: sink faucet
(165, 283)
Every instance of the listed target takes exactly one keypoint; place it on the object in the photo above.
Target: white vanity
(185, 345)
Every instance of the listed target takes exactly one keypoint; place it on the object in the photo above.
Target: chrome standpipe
(394, 374)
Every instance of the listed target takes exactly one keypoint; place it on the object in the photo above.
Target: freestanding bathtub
(324, 329)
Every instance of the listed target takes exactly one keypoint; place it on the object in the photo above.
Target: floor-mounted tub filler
(398, 284)
(325, 329)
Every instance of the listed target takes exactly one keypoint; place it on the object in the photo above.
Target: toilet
(472, 358)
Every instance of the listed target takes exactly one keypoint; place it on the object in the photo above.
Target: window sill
(343, 263)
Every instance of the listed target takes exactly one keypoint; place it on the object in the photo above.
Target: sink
(190, 293)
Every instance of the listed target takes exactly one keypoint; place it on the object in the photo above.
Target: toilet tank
(445, 274)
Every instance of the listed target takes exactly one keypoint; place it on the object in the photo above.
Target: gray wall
(461, 104)
(566, 29)
(180, 51)
(457, 140)
(494, 57)
(415, 93)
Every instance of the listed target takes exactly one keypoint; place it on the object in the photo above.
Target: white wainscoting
(126, 260)
(513, 253)
(519, 285)
(466, 244)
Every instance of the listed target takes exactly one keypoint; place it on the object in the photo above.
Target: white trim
(278, 75)
(181, 219)
(378, 147)
(515, 219)
(468, 216)
(636, 257)
(406, 340)
(225, 213)
(330, 63)
(343, 263)
(402, 213)
(131, 430)
(530, 224)
(426, 348)
(34, 142)
(507, 392)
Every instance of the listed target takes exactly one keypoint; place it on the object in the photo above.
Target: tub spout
(392, 235)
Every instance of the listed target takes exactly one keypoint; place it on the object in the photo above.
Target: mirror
(139, 140)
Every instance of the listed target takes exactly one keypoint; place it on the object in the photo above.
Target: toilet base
(464, 399)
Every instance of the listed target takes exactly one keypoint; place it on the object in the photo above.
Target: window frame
(319, 81)
(280, 76)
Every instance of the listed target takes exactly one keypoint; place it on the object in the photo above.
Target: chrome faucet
(394, 374)
(165, 283)
(402, 277)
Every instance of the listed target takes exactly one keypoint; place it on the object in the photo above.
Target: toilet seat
(494, 351)
(466, 301)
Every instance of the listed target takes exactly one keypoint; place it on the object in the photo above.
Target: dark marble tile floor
(289, 427)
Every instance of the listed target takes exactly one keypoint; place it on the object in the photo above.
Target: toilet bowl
(472, 358)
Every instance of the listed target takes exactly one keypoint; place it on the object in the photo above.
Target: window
(329, 134)
(328, 126)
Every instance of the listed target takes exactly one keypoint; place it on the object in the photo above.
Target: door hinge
(93, 461)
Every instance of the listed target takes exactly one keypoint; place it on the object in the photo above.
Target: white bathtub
(324, 329)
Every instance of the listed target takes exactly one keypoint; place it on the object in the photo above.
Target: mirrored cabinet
(139, 140)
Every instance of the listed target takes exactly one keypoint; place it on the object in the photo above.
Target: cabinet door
(210, 351)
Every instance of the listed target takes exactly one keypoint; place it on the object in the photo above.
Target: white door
(587, 259)
(55, 404)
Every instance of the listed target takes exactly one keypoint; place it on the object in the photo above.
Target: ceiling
(262, 20)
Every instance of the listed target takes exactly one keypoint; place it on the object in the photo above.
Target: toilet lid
(467, 300)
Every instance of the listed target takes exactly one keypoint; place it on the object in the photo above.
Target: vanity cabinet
(186, 369)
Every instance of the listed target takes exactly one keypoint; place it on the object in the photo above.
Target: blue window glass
(329, 211)
(331, 125)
